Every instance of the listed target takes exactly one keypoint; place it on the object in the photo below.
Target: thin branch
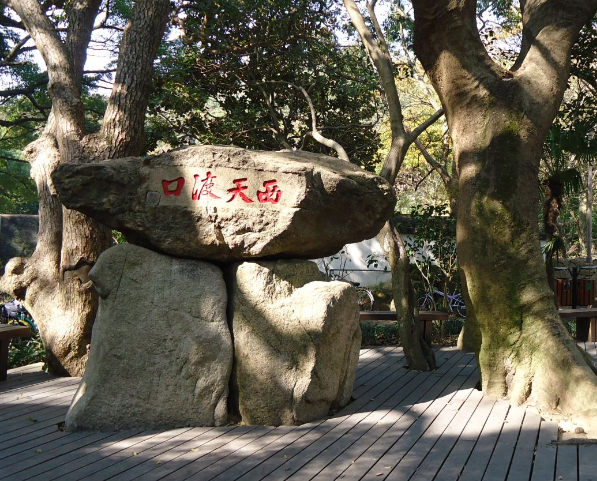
(91, 72)
(43, 110)
(21, 121)
(103, 21)
(20, 180)
(17, 48)
(23, 91)
(12, 64)
(423, 179)
(62, 77)
(381, 39)
(370, 125)
(440, 169)
(10, 22)
(12, 159)
(426, 124)
(332, 144)
(378, 52)
(275, 121)
(110, 27)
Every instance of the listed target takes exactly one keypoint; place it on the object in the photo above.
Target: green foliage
(432, 249)
(118, 237)
(388, 333)
(214, 84)
(17, 190)
(378, 334)
(579, 109)
(566, 154)
(554, 247)
(383, 298)
(23, 352)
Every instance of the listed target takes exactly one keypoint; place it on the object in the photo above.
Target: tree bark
(498, 120)
(418, 354)
(53, 284)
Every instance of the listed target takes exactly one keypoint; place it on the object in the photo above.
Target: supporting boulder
(161, 351)
(296, 342)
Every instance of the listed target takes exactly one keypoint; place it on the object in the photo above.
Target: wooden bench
(425, 317)
(585, 322)
(8, 332)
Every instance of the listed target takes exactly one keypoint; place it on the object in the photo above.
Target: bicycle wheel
(364, 299)
(426, 303)
(458, 307)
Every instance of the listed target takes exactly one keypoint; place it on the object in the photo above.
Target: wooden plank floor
(401, 426)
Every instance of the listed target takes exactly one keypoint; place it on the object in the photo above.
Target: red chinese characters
(238, 190)
(206, 187)
(272, 192)
(167, 184)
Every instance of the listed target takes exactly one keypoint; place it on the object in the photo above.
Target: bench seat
(8, 332)
(425, 317)
(585, 322)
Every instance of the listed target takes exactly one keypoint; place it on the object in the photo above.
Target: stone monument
(162, 350)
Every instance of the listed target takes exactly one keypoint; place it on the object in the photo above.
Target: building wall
(351, 264)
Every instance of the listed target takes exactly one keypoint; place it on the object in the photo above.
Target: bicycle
(365, 297)
(455, 302)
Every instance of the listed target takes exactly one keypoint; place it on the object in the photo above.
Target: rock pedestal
(296, 342)
(161, 351)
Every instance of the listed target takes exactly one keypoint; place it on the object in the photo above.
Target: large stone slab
(296, 342)
(226, 203)
(161, 351)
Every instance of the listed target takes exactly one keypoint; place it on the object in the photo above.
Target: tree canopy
(233, 77)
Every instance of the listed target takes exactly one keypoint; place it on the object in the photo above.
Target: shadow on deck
(401, 426)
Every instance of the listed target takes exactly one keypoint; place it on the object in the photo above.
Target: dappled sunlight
(407, 425)
(305, 334)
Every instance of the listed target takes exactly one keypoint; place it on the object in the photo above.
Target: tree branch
(9, 22)
(550, 29)
(382, 60)
(23, 91)
(124, 119)
(422, 127)
(446, 30)
(440, 169)
(275, 122)
(62, 78)
(92, 72)
(21, 121)
(332, 144)
(17, 48)
(81, 16)
(42, 110)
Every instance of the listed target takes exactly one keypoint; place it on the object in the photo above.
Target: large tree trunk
(498, 121)
(53, 284)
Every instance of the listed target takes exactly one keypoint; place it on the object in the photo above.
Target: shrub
(377, 334)
(26, 351)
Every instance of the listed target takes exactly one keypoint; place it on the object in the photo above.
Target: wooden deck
(402, 426)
